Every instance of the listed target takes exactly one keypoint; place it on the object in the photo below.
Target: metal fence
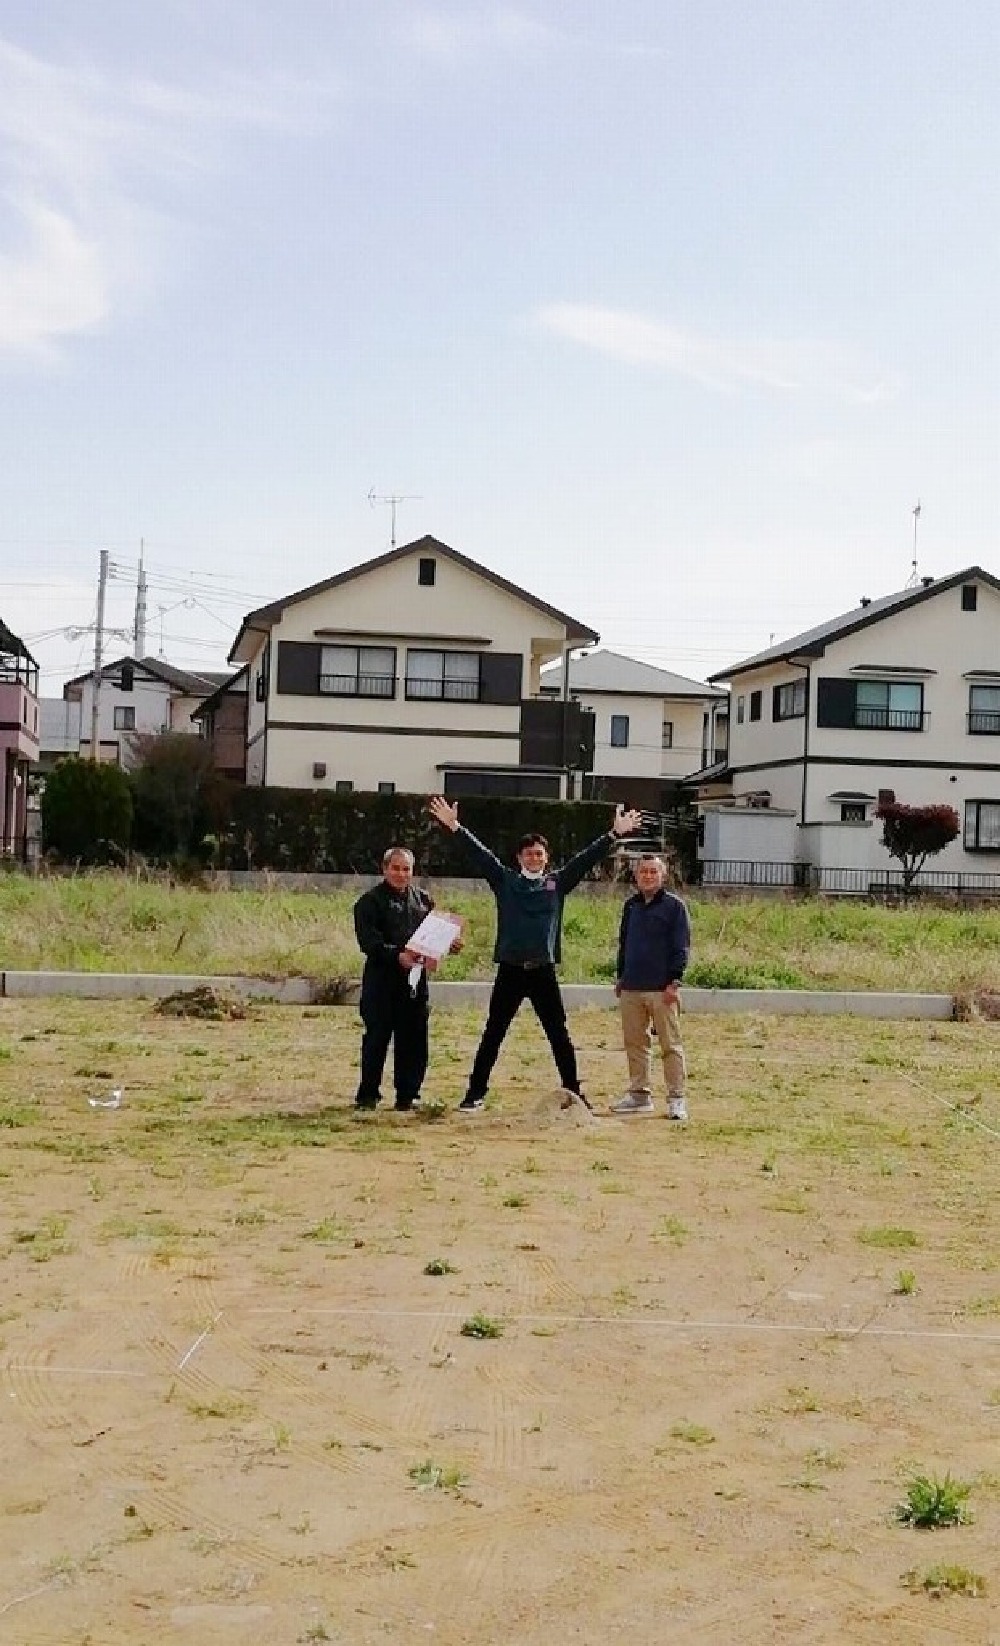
(879, 883)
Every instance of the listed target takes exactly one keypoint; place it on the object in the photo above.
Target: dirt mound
(202, 1001)
(561, 1108)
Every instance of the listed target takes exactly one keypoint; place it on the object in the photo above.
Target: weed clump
(931, 1502)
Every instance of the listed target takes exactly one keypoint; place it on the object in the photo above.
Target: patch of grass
(430, 1476)
(439, 1266)
(932, 1501)
(515, 1200)
(480, 1325)
(939, 1581)
(327, 1231)
(222, 1406)
(692, 1434)
(672, 1229)
(888, 1238)
(906, 1283)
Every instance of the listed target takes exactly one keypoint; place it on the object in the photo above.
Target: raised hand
(443, 812)
(626, 822)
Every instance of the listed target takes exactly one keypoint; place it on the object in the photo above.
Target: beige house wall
(398, 740)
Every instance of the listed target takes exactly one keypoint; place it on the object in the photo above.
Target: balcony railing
(451, 691)
(358, 685)
(986, 722)
(869, 718)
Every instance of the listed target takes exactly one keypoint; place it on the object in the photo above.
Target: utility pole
(95, 702)
(139, 643)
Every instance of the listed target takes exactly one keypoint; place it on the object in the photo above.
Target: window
(125, 719)
(127, 682)
(969, 592)
(387, 788)
(984, 709)
(790, 700)
(358, 671)
(853, 811)
(619, 731)
(426, 573)
(741, 709)
(668, 734)
(982, 826)
(889, 705)
(755, 703)
(450, 676)
(344, 785)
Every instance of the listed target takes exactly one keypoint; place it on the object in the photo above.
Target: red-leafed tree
(912, 834)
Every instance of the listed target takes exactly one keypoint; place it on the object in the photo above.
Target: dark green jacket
(529, 912)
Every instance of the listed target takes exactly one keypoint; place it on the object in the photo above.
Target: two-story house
(18, 739)
(416, 671)
(900, 696)
(138, 696)
(651, 727)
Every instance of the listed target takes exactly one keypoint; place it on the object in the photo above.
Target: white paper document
(435, 935)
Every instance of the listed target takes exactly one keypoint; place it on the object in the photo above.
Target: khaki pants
(642, 1012)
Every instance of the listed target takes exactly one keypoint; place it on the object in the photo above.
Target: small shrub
(938, 1581)
(480, 1325)
(931, 1502)
(906, 1283)
(439, 1266)
(435, 1477)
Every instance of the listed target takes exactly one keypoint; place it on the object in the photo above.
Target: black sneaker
(470, 1103)
(406, 1106)
(366, 1104)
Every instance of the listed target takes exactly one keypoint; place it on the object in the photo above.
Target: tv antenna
(914, 578)
(392, 501)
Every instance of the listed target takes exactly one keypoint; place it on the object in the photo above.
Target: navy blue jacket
(654, 941)
(529, 912)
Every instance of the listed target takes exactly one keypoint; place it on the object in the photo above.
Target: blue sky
(670, 312)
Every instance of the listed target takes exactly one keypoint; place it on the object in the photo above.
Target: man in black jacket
(392, 1008)
(529, 922)
(654, 942)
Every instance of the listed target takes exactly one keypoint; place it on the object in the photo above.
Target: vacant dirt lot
(235, 1406)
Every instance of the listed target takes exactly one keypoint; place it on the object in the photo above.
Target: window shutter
(500, 677)
(835, 701)
(775, 702)
(298, 668)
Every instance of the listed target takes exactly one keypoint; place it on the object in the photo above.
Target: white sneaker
(676, 1108)
(634, 1103)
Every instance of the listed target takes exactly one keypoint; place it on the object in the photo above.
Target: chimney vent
(866, 600)
(925, 582)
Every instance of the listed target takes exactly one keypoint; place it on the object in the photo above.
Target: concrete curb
(302, 991)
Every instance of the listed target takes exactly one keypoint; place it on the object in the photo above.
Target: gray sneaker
(676, 1108)
(634, 1103)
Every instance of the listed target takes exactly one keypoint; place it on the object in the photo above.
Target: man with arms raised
(529, 920)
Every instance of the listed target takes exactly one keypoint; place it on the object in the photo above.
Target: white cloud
(82, 156)
(723, 365)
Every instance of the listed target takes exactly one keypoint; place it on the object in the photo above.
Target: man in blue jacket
(529, 923)
(654, 942)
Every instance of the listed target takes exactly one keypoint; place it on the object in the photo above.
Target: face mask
(533, 874)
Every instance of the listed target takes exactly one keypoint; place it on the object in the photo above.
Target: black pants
(390, 1012)
(512, 985)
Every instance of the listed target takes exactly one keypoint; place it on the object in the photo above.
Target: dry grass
(109, 922)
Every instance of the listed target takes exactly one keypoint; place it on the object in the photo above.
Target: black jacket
(654, 941)
(384, 921)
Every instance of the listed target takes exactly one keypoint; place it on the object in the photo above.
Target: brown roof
(264, 617)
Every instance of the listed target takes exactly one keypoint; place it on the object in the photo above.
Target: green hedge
(310, 832)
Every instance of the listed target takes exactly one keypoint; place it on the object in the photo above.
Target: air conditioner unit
(319, 769)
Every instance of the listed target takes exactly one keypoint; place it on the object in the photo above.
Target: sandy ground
(221, 1356)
